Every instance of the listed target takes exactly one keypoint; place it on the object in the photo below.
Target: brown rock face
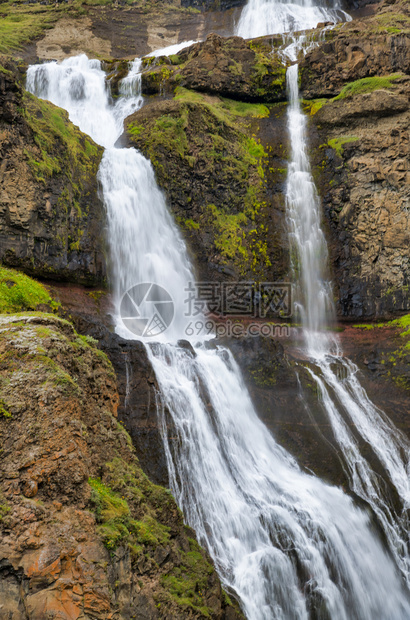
(375, 45)
(229, 67)
(51, 218)
(363, 172)
(84, 534)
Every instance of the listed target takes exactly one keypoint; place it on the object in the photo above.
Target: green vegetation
(4, 413)
(60, 143)
(116, 525)
(4, 508)
(312, 106)
(60, 151)
(229, 231)
(397, 360)
(216, 134)
(19, 292)
(367, 85)
(338, 143)
(20, 24)
(130, 510)
(225, 109)
(351, 89)
(186, 583)
(190, 224)
(391, 23)
(269, 73)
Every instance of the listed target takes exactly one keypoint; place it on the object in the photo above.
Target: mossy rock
(55, 229)
(214, 168)
(230, 67)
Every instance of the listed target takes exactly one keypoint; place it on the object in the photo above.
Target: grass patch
(54, 134)
(337, 144)
(4, 508)
(18, 292)
(367, 85)
(314, 105)
(22, 24)
(225, 108)
(4, 413)
(392, 23)
(116, 524)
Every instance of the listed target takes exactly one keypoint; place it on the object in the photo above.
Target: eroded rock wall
(51, 218)
(84, 532)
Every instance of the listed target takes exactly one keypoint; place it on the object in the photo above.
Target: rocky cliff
(84, 533)
(359, 88)
(222, 175)
(229, 199)
(51, 218)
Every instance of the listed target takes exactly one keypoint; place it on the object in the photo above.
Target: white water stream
(288, 545)
(344, 400)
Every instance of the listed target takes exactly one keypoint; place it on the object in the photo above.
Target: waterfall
(316, 310)
(265, 17)
(286, 544)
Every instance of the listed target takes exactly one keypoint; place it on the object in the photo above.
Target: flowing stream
(286, 544)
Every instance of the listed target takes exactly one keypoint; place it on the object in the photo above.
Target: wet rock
(222, 167)
(371, 105)
(375, 45)
(51, 218)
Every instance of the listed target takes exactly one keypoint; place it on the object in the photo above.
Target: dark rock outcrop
(221, 165)
(374, 46)
(51, 218)
(229, 67)
(213, 5)
(362, 169)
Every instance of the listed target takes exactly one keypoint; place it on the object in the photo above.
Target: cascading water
(316, 310)
(287, 545)
(264, 17)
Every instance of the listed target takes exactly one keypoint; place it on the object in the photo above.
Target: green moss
(367, 85)
(263, 376)
(186, 583)
(60, 143)
(149, 531)
(113, 513)
(4, 508)
(229, 238)
(269, 75)
(404, 323)
(175, 59)
(172, 130)
(392, 23)
(19, 292)
(337, 144)
(56, 374)
(4, 413)
(217, 134)
(314, 105)
(87, 340)
(190, 224)
(62, 152)
(5, 71)
(222, 105)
